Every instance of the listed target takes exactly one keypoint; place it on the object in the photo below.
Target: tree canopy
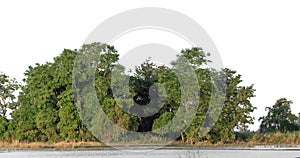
(279, 118)
(8, 103)
(50, 107)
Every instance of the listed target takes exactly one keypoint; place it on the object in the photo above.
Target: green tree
(7, 97)
(170, 82)
(93, 70)
(47, 110)
(145, 95)
(279, 118)
(237, 109)
(8, 88)
(3, 127)
(35, 97)
(70, 126)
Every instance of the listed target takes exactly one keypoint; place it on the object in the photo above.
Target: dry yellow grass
(258, 139)
(60, 145)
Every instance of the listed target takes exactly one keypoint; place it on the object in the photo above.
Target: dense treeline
(48, 104)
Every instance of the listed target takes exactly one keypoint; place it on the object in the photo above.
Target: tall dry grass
(60, 145)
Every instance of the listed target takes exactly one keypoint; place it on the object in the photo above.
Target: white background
(259, 39)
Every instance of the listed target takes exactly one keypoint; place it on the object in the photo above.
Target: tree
(7, 102)
(279, 118)
(7, 97)
(36, 96)
(145, 94)
(47, 110)
(70, 125)
(197, 59)
(3, 127)
(236, 111)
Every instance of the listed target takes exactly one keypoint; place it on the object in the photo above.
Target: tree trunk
(192, 142)
(182, 137)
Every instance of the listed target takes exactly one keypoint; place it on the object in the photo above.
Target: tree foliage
(47, 111)
(52, 109)
(7, 97)
(279, 118)
(236, 111)
(8, 88)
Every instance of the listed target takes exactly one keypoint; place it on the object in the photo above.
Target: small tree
(7, 97)
(7, 101)
(279, 118)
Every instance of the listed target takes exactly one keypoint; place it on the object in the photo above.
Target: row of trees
(49, 101)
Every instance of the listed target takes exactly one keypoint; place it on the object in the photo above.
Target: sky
(258, 39)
